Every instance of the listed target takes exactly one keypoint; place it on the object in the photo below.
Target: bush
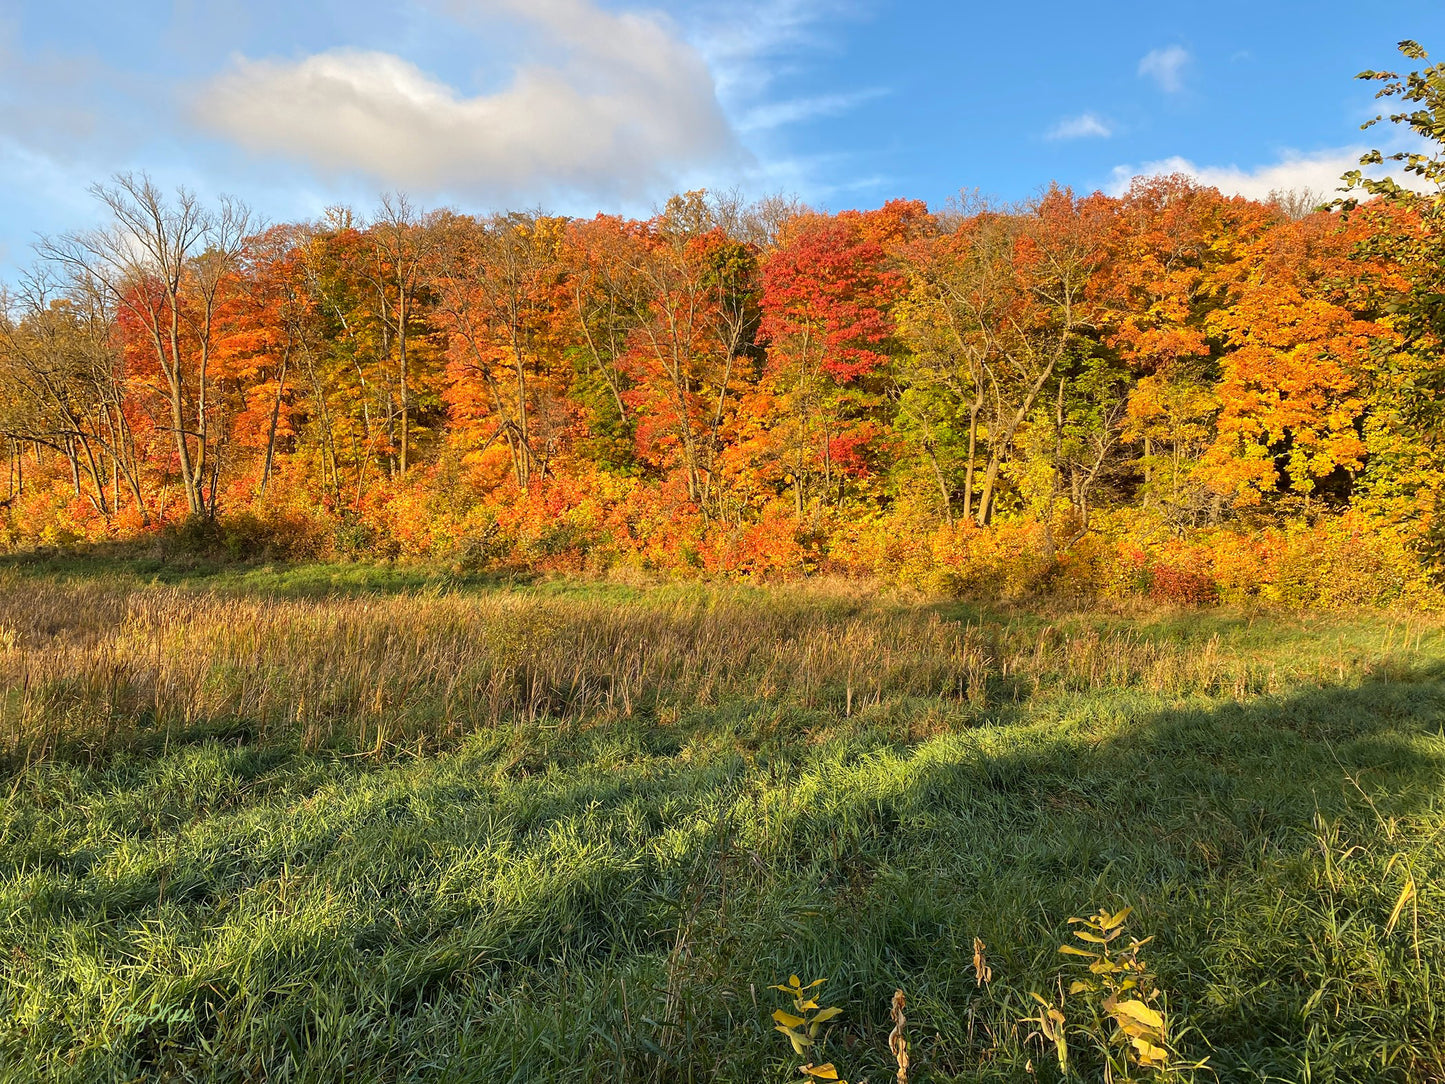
(352, 539)
(481, 546)
(1182, 586)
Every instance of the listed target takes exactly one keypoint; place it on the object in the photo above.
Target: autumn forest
(1169, 391)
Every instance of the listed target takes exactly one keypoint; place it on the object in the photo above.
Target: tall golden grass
(86, 667)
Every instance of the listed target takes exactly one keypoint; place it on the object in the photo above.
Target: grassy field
(367, 824)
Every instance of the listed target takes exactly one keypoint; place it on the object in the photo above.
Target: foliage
(803, 1024)
(1119, 991)
(1081, 396)
(1403, 245)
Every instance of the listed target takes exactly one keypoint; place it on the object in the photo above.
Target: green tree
(1406, 428)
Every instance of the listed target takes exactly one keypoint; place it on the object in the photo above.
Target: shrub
(1182, 585)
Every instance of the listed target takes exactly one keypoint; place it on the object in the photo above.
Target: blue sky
(584, 105)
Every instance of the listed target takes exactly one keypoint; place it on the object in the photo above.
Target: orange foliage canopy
(740, 388)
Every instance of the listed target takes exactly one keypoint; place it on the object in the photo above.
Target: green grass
(119, 566)
(596, 896)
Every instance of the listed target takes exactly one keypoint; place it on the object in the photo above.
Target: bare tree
(402, 242)
(1296, 203)
(62, 385)
(769, 216)
(166, 263)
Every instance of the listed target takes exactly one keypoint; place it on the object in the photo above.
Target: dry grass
(89, 668)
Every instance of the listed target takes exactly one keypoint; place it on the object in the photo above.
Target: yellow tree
(1290, 376)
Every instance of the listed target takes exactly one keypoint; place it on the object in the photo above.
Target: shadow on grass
(607, 903)
(142, 563)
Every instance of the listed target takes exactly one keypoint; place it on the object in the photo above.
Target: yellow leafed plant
(804, 1025)
(1118, 999)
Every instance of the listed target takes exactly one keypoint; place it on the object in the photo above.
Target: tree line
(1186, 356)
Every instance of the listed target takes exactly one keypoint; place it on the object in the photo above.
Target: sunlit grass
(465, 832)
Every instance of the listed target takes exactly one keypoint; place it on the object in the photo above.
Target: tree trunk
(942, 485)
(275, 419)
(972, 455)
(405, 391)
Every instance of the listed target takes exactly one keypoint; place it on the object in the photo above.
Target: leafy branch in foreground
(804, 1025)
(1120, 1006)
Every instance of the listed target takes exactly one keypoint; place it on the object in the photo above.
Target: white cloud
(1084, 126)
(628, 106)
(758, 51)
(1317, 171)
(1165, 67)
(817, 178)
(746, 42)
(794, 110)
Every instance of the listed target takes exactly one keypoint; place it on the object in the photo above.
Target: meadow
(380, 823)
